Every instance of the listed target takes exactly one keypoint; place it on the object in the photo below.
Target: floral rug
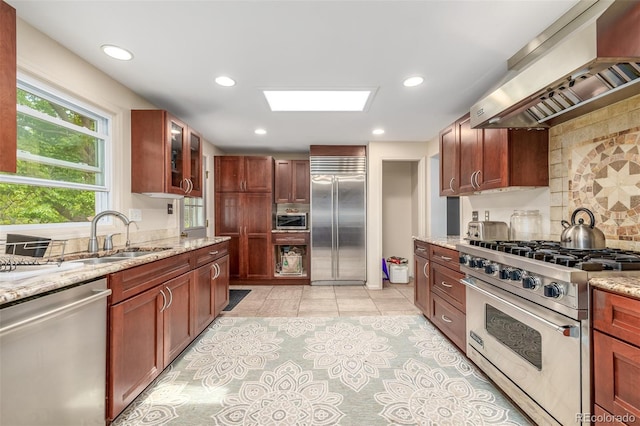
(377, 370)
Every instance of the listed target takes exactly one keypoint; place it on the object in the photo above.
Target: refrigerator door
(322, 229)
(350, 229)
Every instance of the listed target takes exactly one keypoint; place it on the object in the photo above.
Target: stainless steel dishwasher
(53, 358)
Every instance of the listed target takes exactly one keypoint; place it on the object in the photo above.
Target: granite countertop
(11, 291)
(624, 286)
(448, 242)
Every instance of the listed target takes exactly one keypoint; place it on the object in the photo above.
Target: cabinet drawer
(615, 376)
(604, 418)
(420, 248)
(129, 282)
(617, 315)
(445, 256)
(290, 238)
(449, 320)
(446, 284)
(209, 254)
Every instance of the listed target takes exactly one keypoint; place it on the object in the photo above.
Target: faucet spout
(93, 239)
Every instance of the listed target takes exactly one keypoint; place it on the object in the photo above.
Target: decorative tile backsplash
(595, 163)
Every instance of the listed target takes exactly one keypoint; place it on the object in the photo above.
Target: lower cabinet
(156, 310)
(421, 281)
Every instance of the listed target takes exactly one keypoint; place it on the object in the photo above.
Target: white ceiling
(459, 47)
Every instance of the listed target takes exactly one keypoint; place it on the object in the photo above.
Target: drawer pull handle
(420, 249)
(444, 284)
(445, 258)
(445, 319)
(213, 253)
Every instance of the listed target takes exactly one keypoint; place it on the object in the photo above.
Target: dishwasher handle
(98, 294)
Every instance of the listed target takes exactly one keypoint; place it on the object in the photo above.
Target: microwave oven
(291, 221)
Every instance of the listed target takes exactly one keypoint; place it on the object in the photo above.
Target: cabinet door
(204, 303)
(135, 340)
(229, 223)
(255, 250)
(258, 174)
(616, 372)
(194, 149)
(221, 285)
(300, 181)
(229, 173)
(282, 189)
(494, 172)
(8, 130)
(177, 135)
(421, 289)
(449, 162)
(179, 328)
(470, 155)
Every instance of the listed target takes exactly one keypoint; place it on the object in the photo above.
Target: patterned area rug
(377, 370)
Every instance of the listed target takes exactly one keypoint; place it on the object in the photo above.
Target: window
(63, 152)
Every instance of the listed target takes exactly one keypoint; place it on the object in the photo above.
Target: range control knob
(491, 268)
(515, 275)
(505, 273)
(465, 259)
(473, 262)
(530, 282)
(481, 263)
(553, 290)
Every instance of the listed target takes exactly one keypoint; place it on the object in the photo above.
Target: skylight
(317, 100)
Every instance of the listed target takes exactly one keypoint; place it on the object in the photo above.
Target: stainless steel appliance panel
(350, 227)
(53, 355)
(322, 229)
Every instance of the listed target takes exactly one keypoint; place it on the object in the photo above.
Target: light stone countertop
(11, 291)
(448, 242)
(624, 286)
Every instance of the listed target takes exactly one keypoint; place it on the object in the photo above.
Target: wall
(44, 59)
(398, 190)
(595, 163)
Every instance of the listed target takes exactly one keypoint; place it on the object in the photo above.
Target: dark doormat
(235, 296)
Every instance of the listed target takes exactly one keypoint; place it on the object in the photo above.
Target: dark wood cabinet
(246, 219)
(616, 356)
(178, 325)
(212, 284)
(166, 155)
(421, 271)
(474, 160)
(243, 174)
(221, 284)
(291, 181)
(286, 247)
(8, 84)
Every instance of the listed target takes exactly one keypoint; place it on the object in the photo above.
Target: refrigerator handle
(336, 251)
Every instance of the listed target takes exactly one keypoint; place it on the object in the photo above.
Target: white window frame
(103, 193)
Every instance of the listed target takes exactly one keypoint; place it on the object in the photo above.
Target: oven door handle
(565, 330)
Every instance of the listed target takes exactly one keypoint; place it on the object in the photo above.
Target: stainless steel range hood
(591, 62)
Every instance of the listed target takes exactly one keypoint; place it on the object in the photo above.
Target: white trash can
(398, 274)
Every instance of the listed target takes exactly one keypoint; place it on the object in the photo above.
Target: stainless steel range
(527, 320)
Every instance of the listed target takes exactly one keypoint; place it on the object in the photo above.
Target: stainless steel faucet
(93, 239)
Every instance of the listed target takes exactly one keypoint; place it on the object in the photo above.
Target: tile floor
(308, 301)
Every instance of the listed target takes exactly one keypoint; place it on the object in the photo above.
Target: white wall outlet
(135, 215)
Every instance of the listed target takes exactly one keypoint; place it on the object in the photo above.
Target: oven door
(535, 348)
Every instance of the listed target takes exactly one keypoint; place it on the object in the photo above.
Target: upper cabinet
(8, 114)
(291, 181)
(243, 174)
(166, 155)
(473, 160)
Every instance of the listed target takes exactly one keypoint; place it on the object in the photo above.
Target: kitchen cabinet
(243, 174)
(292, 247)
(166, 155)
(616, 356)
(155, 311)
(246, 219)
(291, 181)
(421, 283)
(8, 68)
(474, 160)
(447, 294)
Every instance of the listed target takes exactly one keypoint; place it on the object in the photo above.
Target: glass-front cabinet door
(179, 167)
(195, 169)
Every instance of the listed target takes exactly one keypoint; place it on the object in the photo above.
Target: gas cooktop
(593, 260)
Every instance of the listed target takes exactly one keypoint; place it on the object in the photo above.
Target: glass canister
(526, 225)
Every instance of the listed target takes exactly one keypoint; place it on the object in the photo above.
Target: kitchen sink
(131, 254)
(97, 260)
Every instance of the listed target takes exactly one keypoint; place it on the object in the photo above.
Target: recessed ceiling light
(317, 100)
(260, 132)
(225, 81)
(413, 81)
(378, 131)
(117, 52)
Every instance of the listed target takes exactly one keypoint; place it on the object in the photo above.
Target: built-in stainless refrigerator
(338, 220)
